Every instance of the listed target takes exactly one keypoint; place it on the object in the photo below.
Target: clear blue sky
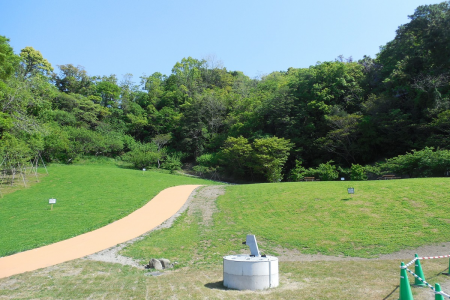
(256, 37)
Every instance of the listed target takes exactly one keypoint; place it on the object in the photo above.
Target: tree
(8, 60)
(269, 156)
(342, 139)
(109, 92)
(74, 79)
(154, 84)
(442, 122)
(187, 73)
(423, 43)
(235, 155)
(160, 141)
(34, 62)
(416, 61)
(83, 108)
(212, 109)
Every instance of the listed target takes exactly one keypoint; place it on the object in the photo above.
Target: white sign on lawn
(51, 201)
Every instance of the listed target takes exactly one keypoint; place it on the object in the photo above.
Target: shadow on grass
(218, 285)
(346, 199)
(393, 291)
(440, 273)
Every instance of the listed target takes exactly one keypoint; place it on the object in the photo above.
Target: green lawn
(382, 217)
(313, 217)
(88, 197)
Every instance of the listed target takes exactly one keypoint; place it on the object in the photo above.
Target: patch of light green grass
(88, 197)
(312, 217)
(381, 217)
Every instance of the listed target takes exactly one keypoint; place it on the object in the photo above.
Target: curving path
(155, 212)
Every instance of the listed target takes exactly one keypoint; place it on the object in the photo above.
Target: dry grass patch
(83, 279)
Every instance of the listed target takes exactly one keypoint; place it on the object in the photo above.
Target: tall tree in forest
(8, 60)
(187, 73)
(269, 156)
(74, 79)
(34, 62)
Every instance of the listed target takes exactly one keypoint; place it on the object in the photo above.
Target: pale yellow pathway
(154, 213)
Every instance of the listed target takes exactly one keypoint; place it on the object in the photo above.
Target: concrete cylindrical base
(243, 272)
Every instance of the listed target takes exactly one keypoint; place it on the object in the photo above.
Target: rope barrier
(432, 257)
(411, 262)
(418, 277)
(422, 280)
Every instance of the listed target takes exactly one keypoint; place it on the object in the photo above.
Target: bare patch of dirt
(202, 201)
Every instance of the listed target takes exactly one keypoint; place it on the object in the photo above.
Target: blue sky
(256, 37)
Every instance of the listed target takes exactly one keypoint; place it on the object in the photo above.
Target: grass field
(82, 279)
(88, 197)
(312, 217)
(309, 217)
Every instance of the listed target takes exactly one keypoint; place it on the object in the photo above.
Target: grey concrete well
(245, 272)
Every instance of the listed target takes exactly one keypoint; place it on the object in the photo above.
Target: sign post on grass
(143, 171)
(51, 201)
(351, 190)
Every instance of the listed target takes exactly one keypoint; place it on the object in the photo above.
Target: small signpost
(51, 201)
(143, 170)
(342, 178)
(351, 190)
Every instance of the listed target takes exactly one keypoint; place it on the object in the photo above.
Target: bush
(324, 172)
(143, 156)
(207, 160)
(344, 172)
(172, 162)
(207, 164)
(327, 172)
(358, 173)
(423, 163)
(297, 173)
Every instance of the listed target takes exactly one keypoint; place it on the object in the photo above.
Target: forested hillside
(349, 112)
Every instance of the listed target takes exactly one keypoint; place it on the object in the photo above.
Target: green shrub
(373, 171)
(358, 173)
(297, 173)
(327, 171)
(344, 172)
(143, 156)
(207, 160)
(422, 163)
(172, 162)
(324, 172)
(207, 164)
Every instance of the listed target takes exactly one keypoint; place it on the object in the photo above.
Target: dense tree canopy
(299, 121)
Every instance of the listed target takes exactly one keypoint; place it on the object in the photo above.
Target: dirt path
(201, 200)
(155, 212)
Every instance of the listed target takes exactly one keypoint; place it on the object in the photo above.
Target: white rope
(410, 263)
(426, 283)
(432, 257)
